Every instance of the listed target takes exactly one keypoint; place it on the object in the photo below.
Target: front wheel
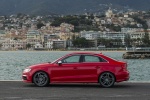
(107, 79)
(40, 79)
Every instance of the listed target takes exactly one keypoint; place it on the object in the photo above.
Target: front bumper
(27, 78)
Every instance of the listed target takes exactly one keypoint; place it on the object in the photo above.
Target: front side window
(90, 58)
(71, 59)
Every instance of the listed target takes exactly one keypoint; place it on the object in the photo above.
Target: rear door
(90, 67)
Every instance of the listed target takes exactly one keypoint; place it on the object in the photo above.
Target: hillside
(8, 7)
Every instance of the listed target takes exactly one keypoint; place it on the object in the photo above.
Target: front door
(67, 71)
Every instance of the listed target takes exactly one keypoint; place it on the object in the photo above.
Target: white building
(135, 33)
(49, 45)
(113, 35)
(127, 30)
(14, 44)
(38, 46)
(109, 13)
(55, 44)
(90, 35)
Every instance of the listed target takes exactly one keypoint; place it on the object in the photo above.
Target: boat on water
(137, 53)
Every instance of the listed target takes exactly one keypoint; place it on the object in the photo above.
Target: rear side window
(91, 58)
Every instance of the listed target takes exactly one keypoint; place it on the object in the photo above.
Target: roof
(33, 32)
(84, 53)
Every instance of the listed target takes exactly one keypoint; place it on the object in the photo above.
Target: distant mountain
(42, 7)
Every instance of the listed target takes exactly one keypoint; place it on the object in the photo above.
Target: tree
(80, 42)
(106, 42)
(56, 23)
(15, 38)
(82, 16)
(117, 42)
(127, 40)
(101, 41)
(39, 25)
(141, 21)
(74, 22)
(28, 45)
(146, 40)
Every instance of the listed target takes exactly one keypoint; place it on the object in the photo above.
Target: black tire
(107, 79)
(40, 79)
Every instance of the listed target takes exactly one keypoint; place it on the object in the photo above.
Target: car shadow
(81, 85)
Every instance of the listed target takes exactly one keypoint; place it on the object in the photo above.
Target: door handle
(97, 67)
(75, 68)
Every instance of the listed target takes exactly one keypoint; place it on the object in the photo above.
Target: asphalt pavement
(17, 90)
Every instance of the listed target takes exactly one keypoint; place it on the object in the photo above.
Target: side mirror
(59, 63)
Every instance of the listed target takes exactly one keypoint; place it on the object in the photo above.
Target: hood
(41, 65)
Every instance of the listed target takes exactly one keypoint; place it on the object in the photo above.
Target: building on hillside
(113, 35)
(90, 35)
(55, 44)
(34, 37)
(2, 36)
(49, 44)
(109, 13)
(127, 30)
(66, 28)
(135, 33)
(59, 44)
(66, 36)
(14, 44)
(50, 37)
(38, 46)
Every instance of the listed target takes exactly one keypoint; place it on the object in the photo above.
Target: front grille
(24, 77)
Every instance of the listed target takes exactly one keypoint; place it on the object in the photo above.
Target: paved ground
(122, 91)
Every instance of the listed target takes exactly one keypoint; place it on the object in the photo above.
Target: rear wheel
(40, 79)
(107, 79)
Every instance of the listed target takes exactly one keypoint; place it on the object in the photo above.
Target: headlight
(27, 70)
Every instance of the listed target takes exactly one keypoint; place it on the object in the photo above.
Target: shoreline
(63, 51)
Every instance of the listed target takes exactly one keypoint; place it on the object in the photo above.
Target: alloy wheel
(41, 79)
(107, 79)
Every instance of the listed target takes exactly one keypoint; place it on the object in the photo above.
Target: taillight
(124, 67)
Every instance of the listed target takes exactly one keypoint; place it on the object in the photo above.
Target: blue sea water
(12, 63)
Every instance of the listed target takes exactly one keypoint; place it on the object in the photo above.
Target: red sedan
(78, 68)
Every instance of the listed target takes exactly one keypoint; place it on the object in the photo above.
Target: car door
(89, 68)
(67, 70)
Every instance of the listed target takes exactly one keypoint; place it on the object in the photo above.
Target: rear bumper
(122, 76)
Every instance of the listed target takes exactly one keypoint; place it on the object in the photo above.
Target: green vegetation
(80, 22)
(80, 42)
(146, 40)
(141, 21)
(39, 25)
(127, 40)
(28, 46)
(110, 42)
(113, 27)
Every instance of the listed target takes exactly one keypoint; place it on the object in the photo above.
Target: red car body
(78, 68)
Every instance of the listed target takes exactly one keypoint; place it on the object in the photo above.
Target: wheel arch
(105, 72)
(41, 71)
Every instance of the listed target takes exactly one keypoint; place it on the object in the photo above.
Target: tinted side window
(90, 58)
(71, 59)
